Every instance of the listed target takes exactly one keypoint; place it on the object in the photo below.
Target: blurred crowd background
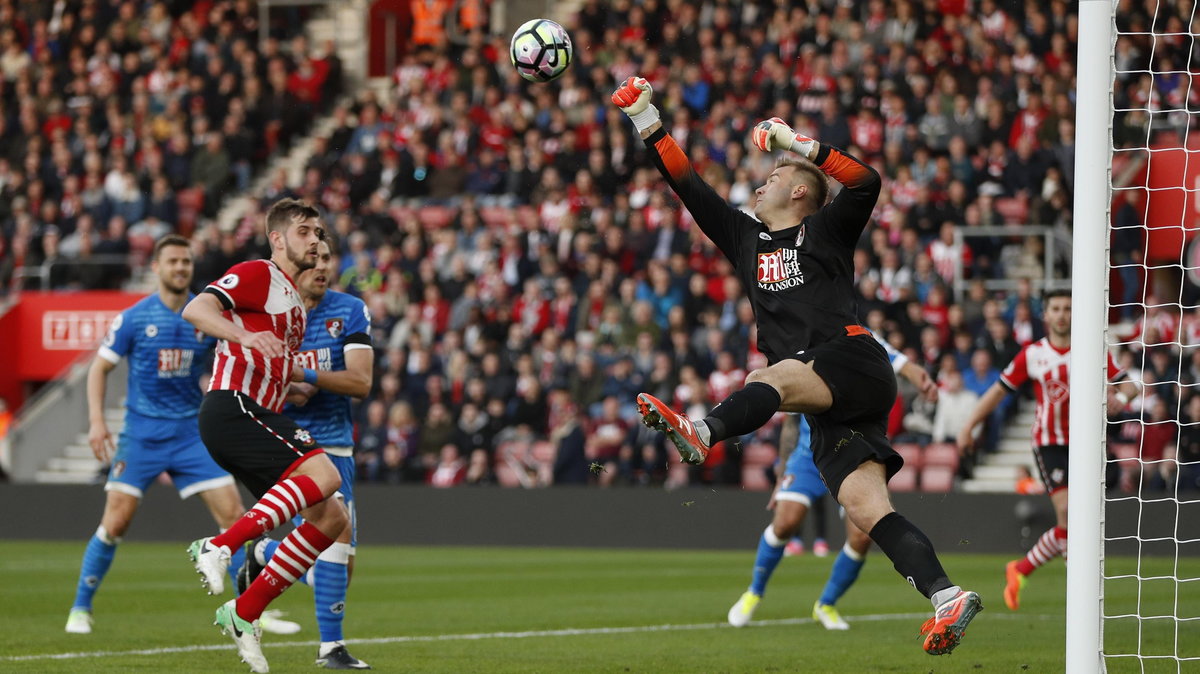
(528, 271)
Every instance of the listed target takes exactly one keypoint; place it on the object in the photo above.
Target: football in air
(540, 50)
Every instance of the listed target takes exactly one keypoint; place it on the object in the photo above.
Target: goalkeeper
(795, 263)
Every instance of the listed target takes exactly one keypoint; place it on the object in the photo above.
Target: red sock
(1046, 549)
(1060, 534)
(278, 505)
(295, 555)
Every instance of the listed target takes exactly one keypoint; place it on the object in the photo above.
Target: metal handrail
(1054, 239)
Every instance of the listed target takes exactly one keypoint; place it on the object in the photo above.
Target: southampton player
(1047, 363)
(166, 359)
(795, 263)
(796, 491)
(241, 424)
(336, 358)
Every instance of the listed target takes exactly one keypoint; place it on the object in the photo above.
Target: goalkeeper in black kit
(795, 263)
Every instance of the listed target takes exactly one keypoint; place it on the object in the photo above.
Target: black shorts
(257, 446)
(1052, 465)
(854, 429)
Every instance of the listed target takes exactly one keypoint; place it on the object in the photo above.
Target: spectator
(571, 460)
(599, 271)
(372, 438)
(450, 469)
(210, 169)
(1027, 483)
(954, 406)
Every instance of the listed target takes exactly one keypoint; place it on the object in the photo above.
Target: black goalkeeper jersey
(800, 280)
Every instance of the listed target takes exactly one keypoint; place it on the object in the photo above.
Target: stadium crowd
(527, 271)
(124, 121)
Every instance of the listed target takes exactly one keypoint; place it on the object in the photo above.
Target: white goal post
(1133, 577)
(1093, 162)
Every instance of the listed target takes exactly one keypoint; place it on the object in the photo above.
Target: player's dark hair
(1051, 294)
(331, 239)
(812, 175)
(170, 240)
(287, 211)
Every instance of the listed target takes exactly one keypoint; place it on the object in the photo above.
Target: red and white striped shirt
(259, 297)
(1050, 370)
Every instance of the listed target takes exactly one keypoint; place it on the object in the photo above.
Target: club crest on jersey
(152, 331)
(779, 270)
(1056, 391)
(334, 326)
(303, 437)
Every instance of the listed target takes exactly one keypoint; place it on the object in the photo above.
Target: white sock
(327, 646)
(942, 596)
(702, 431)
(771, 539)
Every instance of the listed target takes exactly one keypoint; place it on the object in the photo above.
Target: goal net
(1133, 597)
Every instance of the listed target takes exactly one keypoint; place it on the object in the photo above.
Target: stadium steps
(76, 464)
(293, 162)
(343, 22)
(998, 472)
(346, 28)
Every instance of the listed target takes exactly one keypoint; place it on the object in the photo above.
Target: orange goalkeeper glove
(633, 97)
(774, 134)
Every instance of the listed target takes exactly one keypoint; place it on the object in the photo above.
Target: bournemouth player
(1047, 363)
(800, 487)
(166, 358)
(335, 363)
(256, 311)
(795, 262)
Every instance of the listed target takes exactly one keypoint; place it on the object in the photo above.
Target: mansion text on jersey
(779, 270)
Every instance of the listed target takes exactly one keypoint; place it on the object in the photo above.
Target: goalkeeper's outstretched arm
(720, 222)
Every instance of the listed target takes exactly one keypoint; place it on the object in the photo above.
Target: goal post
(1089, 273)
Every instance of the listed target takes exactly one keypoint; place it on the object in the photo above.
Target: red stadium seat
(1123, 451)
(755, 478)
(677, 473)
(758, 454)
(140, 247)
(942, 454)
(905, 480)
(191, 205)
(1127, 456)
(912, 454)
(435, 217)
(400, 213)
(494, 216)
(935, 478)
(1014, 210)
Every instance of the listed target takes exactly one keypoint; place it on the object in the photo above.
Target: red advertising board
(44, 332)
(1169, 203)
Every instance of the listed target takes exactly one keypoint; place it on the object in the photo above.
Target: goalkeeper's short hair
(812, 175)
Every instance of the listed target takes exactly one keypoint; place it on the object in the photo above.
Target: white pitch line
(533, 634)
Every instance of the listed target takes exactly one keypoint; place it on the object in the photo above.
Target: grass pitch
(461, 609)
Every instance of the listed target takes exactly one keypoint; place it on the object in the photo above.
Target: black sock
(742, 412)
(911, 553)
